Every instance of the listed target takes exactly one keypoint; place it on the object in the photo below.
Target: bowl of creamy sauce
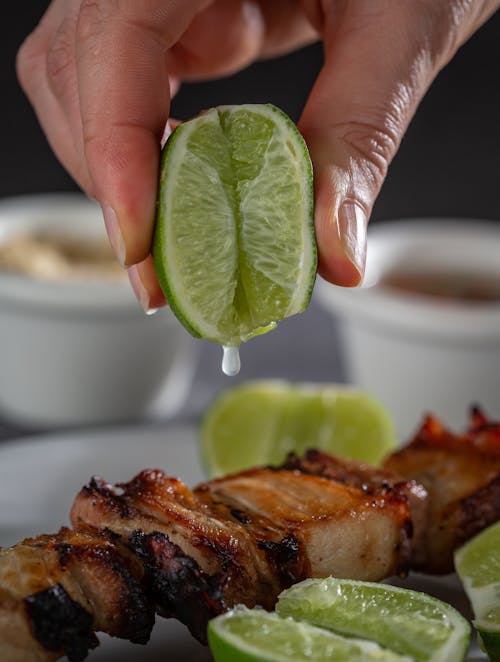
(75, 346)
(50, 256)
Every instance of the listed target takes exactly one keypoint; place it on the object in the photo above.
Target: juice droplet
(230, 361)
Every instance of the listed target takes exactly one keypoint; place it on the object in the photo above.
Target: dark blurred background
(448, 163)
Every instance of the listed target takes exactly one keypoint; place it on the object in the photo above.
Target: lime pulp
(234, 244)
(245, 635)
(478, 565)
(405, 621)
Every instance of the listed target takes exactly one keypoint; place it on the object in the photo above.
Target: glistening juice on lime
(478, 566)
(342, 619)
(234, 244)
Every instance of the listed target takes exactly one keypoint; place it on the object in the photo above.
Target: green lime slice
(407, 622)
(259, 422)
(234, 244)
(254, 635)
(478, 565)
(490, 641)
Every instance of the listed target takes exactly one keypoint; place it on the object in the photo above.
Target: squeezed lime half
(234, 244)
(260, 422)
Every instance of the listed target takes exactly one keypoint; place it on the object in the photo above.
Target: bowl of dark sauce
(423, 331)
(457, 286)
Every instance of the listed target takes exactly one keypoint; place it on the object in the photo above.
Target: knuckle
(30, 61)
(60, 59)
(93, 140)
(90, 19)
(112, 142)
(101, 145)
(439, 26)
(373, 146)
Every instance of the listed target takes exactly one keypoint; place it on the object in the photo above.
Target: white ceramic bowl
(74, 353)
(419, 353)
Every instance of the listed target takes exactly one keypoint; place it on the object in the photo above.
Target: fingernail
(166, 133)
(139, 290)
(114, 233)
(252, 15)
(352, 227)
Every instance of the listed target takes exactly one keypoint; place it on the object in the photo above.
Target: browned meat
(153, 503)
(153, 544)
(249, 535)
(371, 480)
(55, 590)
(336, 528)
(261, 529)
(462, 476)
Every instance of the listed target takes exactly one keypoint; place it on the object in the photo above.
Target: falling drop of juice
(230, 361)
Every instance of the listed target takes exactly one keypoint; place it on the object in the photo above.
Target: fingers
(96, 74)
(380, 59)
(146, 287)
(46, 70)
(230, 34)
(220, 40)
(124, 102)
(101, 93)
(375, 73)
(287, 27)
(96, 71)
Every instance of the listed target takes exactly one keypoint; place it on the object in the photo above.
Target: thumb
(378, 64)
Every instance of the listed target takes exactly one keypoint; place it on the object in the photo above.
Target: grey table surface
(302, 348)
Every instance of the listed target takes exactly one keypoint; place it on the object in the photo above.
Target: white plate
(39, 478)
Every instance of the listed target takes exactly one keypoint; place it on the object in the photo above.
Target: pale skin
(101, 74)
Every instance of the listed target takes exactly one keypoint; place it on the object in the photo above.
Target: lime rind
(227, 280)
(478, 565)
(244, 635)
(478, 561)
(405, 621)
(218, 246)
(489, 641)
(485, 602)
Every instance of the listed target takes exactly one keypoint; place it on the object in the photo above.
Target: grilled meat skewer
(153, 544)
(192, 555)
(263, 529)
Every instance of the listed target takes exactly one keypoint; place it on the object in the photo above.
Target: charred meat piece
(153, 544)
(153, 503)
(462, 476)
(256, 532)
(176, 583)
(312, 525)
(56, 590)
(371, 480)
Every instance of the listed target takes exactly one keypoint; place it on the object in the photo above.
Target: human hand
(100, 74)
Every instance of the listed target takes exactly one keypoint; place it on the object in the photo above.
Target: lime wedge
(259, 423)
(254, 635)
(478, 566)
(407, 622)
(234, 244)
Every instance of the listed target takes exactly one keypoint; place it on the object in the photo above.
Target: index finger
(125, 100)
